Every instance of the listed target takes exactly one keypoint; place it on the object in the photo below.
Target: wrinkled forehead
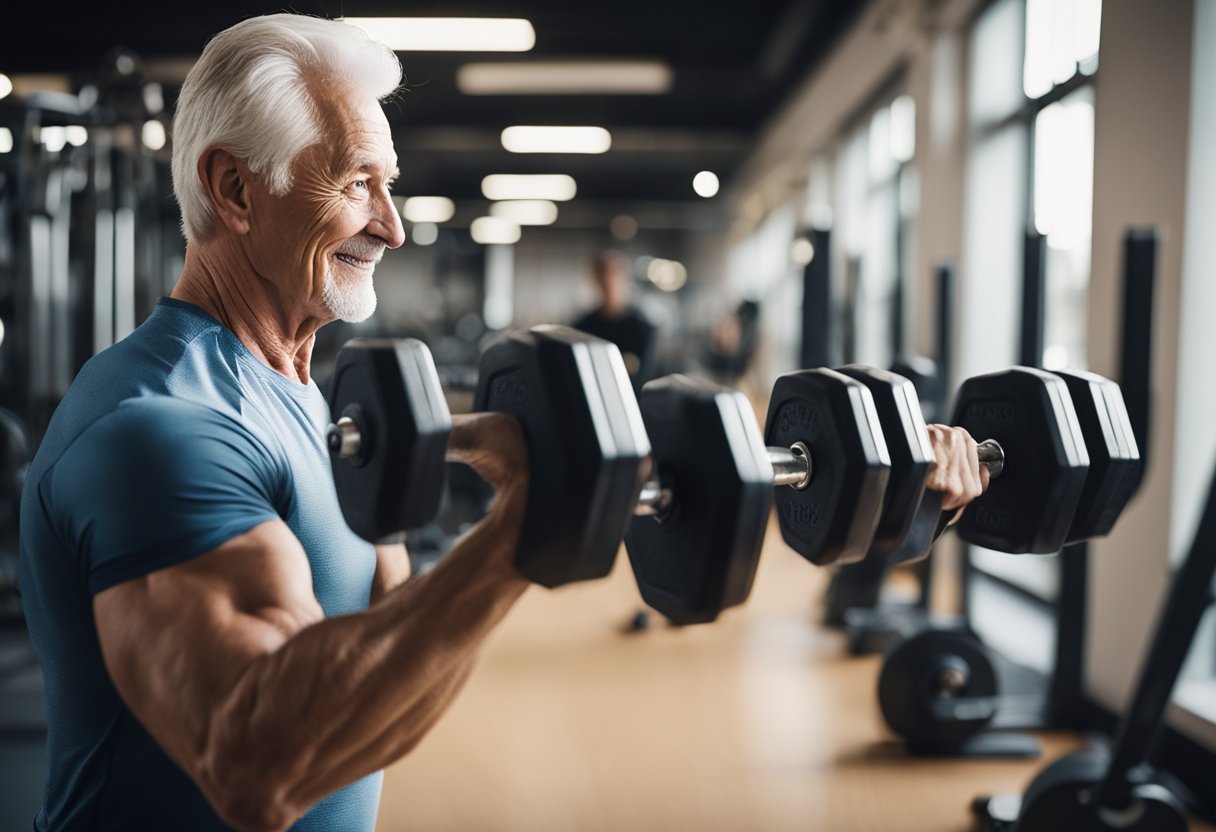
(354, 127)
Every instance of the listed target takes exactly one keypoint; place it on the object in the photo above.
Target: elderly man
(219, 649)
(187, 575)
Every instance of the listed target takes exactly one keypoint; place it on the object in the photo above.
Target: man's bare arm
(227, 661)
(392, 569)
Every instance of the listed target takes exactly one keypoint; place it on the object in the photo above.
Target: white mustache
(362, 250)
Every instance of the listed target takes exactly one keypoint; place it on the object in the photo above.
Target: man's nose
(386, 222)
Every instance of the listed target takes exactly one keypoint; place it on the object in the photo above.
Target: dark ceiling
(732, 65)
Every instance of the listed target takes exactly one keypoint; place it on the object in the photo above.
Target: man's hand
(493, 445)
(957, 472)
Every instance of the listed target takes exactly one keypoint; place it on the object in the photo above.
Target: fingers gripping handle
(991, 454)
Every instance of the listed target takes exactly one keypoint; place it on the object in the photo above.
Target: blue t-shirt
(168, 444)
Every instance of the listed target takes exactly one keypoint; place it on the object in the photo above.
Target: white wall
(1195, 450)
(1142, 120)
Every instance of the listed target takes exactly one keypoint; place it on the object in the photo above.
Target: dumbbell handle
(791, 466)
(343, 438)
(993, 455)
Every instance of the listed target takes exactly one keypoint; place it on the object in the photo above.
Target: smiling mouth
(357, 262)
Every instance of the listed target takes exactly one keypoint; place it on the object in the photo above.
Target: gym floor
(759, 722)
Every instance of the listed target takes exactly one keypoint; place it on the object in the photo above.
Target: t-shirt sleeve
(160, 481)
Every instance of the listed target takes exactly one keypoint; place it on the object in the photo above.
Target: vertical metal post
(848, 314)
(1135, 371)
(1065, 692)
(817, 329)
(1034, 285)
(945, 333)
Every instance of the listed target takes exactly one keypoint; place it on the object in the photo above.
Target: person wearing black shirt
(620, 321)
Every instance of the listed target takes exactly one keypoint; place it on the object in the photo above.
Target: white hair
(249, 94)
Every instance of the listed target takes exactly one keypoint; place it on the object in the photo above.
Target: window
(876, 202)
(1030, 172)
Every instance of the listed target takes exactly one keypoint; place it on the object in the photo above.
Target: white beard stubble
(355, 302)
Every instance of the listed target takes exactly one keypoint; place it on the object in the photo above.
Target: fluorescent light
(705, 184)
(6, 140)
(53, 138)
(903, 128)
(525, 211)
(536, 139)
(153, 135)
(449, 34)
(76, 134)
(802, 251)
(555, 186)
(6, 85)
(667, 275)
(428, 209)
(494, 230)
(565, 78)
(424, 233)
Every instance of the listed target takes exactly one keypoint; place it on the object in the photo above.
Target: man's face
(613, 280)
(327, 234)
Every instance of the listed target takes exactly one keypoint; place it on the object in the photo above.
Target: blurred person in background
(617, 319)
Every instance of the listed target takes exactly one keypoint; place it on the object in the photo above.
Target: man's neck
(276, 329)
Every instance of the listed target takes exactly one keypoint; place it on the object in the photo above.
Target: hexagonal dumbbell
(1029, 507)
(574, 401)
(586, 443)
(701, 515)
(696, 545)
(389, 435)
(831, 516)
(897, 537)
(1114, 458)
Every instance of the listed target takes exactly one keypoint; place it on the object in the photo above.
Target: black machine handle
(1180, 617)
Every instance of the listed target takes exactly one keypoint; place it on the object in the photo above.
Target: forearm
(348, 695)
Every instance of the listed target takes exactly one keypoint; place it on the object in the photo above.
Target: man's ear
(225, 181)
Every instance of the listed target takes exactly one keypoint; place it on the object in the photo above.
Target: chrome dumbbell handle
(791, 466)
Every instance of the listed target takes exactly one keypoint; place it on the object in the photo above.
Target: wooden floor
(758, 722)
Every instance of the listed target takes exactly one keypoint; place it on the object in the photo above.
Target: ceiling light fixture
(494, 231)
(526, 211)
(424, 233)
(538, 139)
(153, 135)
(428, 209)
(449, 34)
(705, 184)
(565, 78)
(554, 186)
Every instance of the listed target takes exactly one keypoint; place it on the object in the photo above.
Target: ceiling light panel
(428, 209)
(565, 78)
(494, 231)
(557, 187)
(539, 139)
(526, 211)
(449, 34)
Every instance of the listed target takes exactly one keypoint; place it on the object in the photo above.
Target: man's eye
(360, 184)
